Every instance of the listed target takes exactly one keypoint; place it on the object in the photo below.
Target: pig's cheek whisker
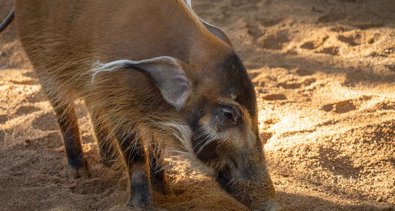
(202, 134)
(203, 141)
(217, 165)
(159, 170)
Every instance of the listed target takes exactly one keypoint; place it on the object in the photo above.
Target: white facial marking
(181, 132)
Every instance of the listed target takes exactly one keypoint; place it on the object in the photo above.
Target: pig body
(152, 73)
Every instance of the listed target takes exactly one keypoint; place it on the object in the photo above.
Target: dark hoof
(138, 206)
(82, 171)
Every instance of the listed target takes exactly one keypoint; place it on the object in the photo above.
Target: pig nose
(271, 205)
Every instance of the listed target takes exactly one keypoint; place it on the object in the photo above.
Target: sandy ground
(324, 72)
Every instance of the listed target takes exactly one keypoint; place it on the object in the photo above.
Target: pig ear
(189, 3)
(166, 72)
(213, 29)
(217, 32)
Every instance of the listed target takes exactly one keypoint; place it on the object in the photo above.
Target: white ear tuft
(189, 3)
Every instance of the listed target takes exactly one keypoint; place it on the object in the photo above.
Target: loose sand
(324, 72)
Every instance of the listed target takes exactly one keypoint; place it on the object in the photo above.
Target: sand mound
(325, 76)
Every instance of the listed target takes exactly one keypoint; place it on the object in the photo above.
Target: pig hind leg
(67, 120)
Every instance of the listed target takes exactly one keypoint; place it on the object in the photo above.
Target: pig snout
(270, 205)
(251, 185)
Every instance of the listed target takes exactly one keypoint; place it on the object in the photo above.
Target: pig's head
(222, 114)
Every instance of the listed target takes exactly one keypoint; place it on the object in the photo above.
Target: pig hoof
(272, 205)
(82, 171)
(140, 207)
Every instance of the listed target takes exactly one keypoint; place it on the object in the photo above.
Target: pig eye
(229, 116)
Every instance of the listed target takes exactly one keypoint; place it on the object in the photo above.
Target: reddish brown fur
(63, 44)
